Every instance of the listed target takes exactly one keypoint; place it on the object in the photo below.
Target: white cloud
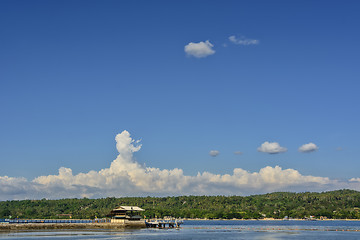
(126, 177)
(309, 147)
(355, 180)
(200, 49)
(238, 153)
(271, 147)
(15, 188)
(214, 153)
(243, 41)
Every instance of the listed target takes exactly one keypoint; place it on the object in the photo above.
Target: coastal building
(126, 214)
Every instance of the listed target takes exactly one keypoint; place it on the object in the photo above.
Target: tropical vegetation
(340, 204)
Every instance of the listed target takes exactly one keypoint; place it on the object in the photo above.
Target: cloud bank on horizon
(126, 177)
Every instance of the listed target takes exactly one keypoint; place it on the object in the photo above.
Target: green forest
(340, 204)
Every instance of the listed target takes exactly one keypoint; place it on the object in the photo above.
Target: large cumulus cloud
(126, 177)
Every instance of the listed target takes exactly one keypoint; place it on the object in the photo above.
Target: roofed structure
(130, 213)
(128, 208)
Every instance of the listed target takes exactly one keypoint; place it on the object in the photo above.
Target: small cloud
(214, 153)
(354, 180)
(309, 147)
(200, 49)
(238, 153)
(271, 147)
(243, 41)
(339, 149)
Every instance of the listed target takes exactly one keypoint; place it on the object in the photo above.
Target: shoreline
(266, 219)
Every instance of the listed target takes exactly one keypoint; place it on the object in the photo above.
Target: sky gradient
(207, 86)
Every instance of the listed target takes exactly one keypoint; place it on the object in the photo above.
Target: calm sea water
(227, 230)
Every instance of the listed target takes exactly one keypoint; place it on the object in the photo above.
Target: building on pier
(125, 214)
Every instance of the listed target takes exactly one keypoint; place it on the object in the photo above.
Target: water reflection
(227, 230)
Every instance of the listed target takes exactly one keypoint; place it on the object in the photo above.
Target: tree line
(340, 204)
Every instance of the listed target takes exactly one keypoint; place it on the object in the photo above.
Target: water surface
(217, 229)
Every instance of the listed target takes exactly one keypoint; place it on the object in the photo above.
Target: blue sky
(74, 74)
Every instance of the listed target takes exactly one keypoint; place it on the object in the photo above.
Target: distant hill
(338, 204)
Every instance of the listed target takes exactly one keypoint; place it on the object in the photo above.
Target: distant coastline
(266, 219)
(339, 205)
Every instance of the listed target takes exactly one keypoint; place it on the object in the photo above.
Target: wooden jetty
(164, 223)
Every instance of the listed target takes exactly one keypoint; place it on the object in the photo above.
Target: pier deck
(164, 223)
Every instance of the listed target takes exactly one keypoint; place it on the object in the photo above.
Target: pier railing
(163, 223)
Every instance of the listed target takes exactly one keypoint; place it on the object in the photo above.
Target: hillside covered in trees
(339, 204)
